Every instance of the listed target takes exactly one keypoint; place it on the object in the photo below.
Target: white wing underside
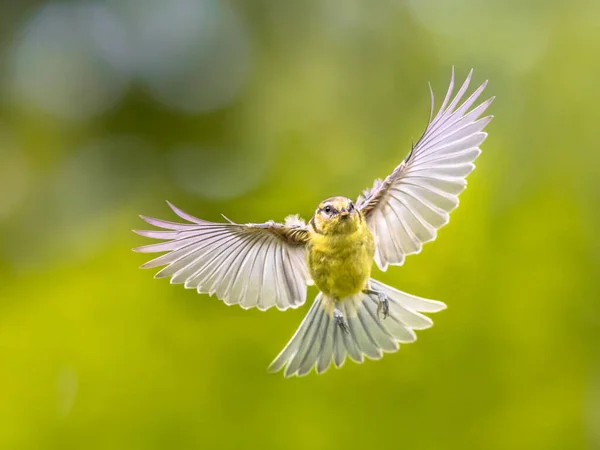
(406, 209)
(241, 264)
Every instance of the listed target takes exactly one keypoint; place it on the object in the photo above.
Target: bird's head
(336, 215)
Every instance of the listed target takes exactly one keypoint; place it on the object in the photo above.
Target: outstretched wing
(251, 265)
(405, 210)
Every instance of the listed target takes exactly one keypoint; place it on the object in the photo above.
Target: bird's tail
(319, 339)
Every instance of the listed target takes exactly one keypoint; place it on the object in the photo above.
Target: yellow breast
(340, 264)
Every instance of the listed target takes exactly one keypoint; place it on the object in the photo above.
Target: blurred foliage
(257, 109)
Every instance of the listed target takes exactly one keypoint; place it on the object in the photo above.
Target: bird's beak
(344, 213)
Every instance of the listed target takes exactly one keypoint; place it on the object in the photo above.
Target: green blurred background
(257, 109)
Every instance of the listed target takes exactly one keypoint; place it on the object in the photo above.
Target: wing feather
(406, 209)
(253, 265)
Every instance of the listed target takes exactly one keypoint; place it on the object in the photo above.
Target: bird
(271, 264)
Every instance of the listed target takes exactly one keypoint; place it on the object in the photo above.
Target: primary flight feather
(271, 264)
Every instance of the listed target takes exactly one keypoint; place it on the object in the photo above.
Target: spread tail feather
(319, 339)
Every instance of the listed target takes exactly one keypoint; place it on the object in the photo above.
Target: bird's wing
(251, 265)
(405, 210)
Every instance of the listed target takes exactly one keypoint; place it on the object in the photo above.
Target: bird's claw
(383, 305)
(341, 320)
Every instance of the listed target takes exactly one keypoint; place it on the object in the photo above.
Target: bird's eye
(327, 209)
(351, 207)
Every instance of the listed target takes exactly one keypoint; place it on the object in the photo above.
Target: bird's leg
(341, 320)
(383, 305)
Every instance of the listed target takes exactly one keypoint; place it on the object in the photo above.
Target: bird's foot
(341, 320)
(383, 305)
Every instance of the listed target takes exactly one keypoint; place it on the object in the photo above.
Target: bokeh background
(257, 109)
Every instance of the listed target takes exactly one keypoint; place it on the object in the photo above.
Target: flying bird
(270, 264)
